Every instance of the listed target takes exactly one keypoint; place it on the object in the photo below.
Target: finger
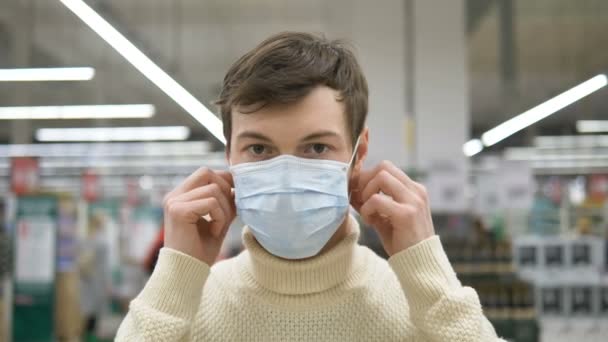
(209, 190)
(405, 179)
(380, 224)
(384, 207)
(211, 207)
(367, 176)
(355, 199)
(227, 177)
(220, 179)
(364, 177)
(389, 185)
(397, 172)
(201, 177)
(354, 191)
(217, 223)
(421, 190)
(212, 190)
(192, 211)
(359, 184)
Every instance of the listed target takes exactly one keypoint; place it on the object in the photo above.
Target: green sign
(34, 272)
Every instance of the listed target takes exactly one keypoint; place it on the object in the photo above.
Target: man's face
(314, 127)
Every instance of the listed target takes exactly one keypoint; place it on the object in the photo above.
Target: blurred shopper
(94, 276)
(153, 251)
(294, 112)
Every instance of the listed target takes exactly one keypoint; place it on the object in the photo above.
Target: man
(294, 112)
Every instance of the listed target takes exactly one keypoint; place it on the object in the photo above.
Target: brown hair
(286, 67)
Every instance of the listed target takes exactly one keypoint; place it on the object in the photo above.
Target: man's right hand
(204, 193)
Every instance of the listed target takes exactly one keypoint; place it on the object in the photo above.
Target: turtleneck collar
(337, 265)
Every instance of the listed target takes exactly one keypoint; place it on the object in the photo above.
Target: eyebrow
(254, 135)
(321, 134)
(312, 136)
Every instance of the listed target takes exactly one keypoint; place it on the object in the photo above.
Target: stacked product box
(507, 301)
(571, 285)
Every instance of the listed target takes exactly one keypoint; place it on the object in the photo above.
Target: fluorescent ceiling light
(543, 110)
(147, 67)
(472, 147)
(78, 112)
(559, 157)
(592, 126)
(571, 141)
(113, 133)
(532, 154)
(98, 150)
(121, 164)
(581, 166)
(46, 74)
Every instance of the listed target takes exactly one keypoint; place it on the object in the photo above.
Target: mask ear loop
(352, 158)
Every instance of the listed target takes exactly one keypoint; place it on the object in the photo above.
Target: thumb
(227, 176)
(355, 199)
(355, 192)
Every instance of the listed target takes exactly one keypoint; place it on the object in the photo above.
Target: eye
(317, 148)
(257, 149)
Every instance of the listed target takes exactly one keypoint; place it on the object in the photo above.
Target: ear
(361, 150)
(361, 154)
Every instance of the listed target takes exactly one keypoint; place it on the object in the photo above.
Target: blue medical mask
(292, 205)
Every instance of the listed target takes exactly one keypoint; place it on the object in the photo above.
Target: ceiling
(553, 46)
(543, 48)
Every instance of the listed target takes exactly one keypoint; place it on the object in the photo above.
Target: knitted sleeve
(166, 307)
(440, 307)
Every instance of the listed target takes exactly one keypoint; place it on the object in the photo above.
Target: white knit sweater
(345, 294)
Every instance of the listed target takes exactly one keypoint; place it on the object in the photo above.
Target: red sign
(598, 187)
(132, 192)
(90, 186)
(25, 175)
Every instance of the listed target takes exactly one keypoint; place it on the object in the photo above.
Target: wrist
(197, 253)
(424, 271)
(175, 284)
(402, 244)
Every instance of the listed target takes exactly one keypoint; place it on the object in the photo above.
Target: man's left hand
(395, 205)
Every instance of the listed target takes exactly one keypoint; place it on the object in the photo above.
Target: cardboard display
(68, 318)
